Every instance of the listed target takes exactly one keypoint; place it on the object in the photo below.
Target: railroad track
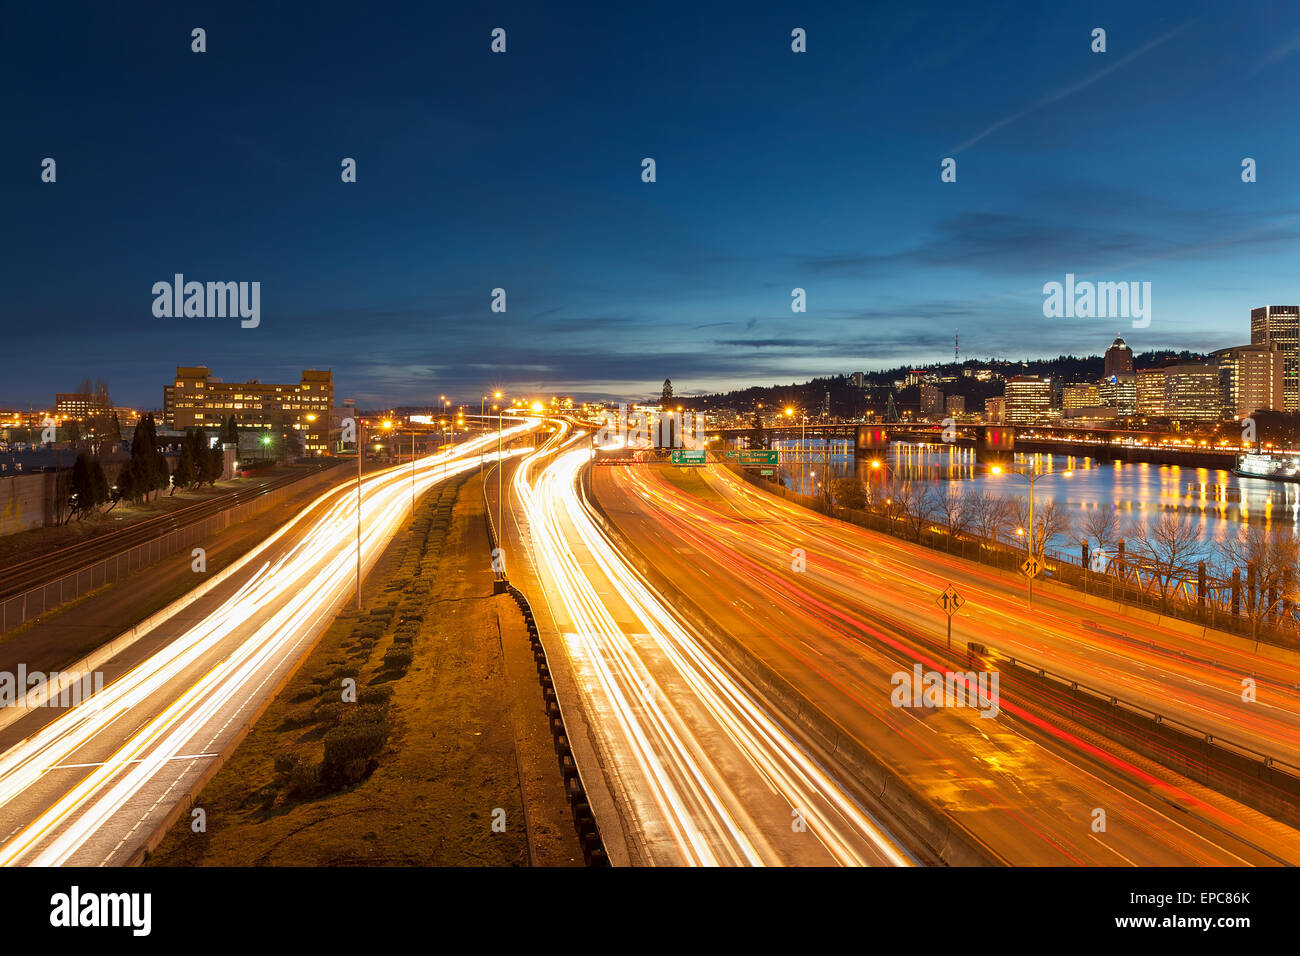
(17, 578)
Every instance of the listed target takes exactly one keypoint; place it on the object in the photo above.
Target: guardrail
(584, 821)
(1244, 773)
(34, 602)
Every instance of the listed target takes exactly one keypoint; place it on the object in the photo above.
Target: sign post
(1030, 570)
(951, 603)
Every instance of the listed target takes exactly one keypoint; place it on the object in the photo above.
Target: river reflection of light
(1216, 498)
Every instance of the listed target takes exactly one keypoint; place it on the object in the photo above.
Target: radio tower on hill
(954, 346)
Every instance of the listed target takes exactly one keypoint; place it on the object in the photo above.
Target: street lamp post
(361, 445)
(481, 411)
(803, 440)
(388, 427)
(1032, 476)
(803, 448)
(878, 464)
(499, 467)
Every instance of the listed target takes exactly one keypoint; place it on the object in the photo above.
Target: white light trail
(270, 619)
(695, 796)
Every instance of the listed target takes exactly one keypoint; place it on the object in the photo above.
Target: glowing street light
(1032, 476)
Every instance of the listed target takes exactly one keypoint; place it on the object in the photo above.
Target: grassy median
(417, 765)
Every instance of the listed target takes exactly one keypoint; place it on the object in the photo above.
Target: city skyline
(253, 377)
(681, 435)
(478, 171)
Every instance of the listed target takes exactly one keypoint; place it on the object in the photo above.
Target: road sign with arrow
(1031, 567)
(951, 602)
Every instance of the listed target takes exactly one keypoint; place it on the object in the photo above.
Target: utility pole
(1030, 577)
(826, 458)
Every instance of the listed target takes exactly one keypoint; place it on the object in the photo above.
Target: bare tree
(990, 514)
(1050, 519)
(1270, 566)
(952, 509)
(891, 501)
(1169, 547)
(1100, 527)
(916, 506)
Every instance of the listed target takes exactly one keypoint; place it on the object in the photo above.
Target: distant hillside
(848, 401)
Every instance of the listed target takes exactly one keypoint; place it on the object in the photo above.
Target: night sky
(775, 170)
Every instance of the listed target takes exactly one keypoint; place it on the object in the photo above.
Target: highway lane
(703, 775)
(87, 785)
(840, 630)
(1192, 677)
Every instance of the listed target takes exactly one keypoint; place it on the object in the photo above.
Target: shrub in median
(350, 750)
(378, 696)
(285, 764)
(398, 657)
(304, 779)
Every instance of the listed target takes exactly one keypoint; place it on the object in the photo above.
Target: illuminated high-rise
(1279, 325)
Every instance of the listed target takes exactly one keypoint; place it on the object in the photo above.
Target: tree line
(147, 473)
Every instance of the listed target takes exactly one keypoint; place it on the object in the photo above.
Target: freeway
(862, 610)
(21, 576)
(1194, 677)
(701, 772)
(88, 785)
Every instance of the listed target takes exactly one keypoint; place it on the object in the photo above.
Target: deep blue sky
(522, 170)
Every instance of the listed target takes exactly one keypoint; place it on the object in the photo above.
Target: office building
(1119, 358)
(1150, 393)
(1080, 396)
(197, 398)
(1192, 393)
(1028, 400)
(1279, 325)
(1119, 391)
(1251, 378)
(82, 406)
(931, 402)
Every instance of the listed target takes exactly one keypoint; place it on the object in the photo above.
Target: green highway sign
(731, 455)
(688, 456)
(765, 471)
(760, 456)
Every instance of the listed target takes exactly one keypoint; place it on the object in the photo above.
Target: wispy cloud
(1063, 92)
(1276, 55)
